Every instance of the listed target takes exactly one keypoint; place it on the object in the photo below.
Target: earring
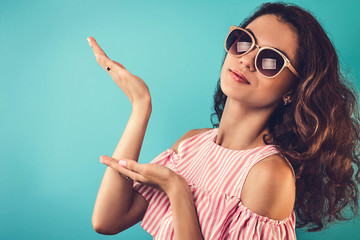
(287, 100)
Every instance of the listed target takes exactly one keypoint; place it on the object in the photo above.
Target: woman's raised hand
(134, 87)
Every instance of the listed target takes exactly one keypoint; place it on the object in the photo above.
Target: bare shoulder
(269, 189)
(187, 135)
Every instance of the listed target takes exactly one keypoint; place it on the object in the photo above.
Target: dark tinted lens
(238, 42)
(269, 62)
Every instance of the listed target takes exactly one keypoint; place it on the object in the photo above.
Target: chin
(229, 90)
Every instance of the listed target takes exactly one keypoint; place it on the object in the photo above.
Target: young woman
(286, 141)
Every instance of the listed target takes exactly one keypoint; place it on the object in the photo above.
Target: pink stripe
(216, 177)
(268, 232)
(194, 142)
(233, 182)
(216, 209)
(217, 206)
(157, 211)
(228, 164)
(168, 229)
(187, 157)
(204, 175)
(249, 228)
(192, 167)
(234, 171)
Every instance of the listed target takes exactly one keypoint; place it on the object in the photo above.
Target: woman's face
(262, 91)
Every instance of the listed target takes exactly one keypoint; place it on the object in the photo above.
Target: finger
(114, 164)
(136, 171)
(133, 175)
(111, 162)
(96, 48)
(135, 166)
(103, 59)
(133, 169)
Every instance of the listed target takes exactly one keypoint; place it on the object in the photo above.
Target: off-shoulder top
(216, 176)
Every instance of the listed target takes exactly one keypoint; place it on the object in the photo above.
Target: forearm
(132, 138)
(115, 194)
(185, 220)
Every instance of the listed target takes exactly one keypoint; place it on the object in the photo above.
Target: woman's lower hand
(154, 175)
(133, 86)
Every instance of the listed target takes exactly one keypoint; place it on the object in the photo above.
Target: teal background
(60, 111)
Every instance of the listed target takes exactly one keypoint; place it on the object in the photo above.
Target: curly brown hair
(319, 131)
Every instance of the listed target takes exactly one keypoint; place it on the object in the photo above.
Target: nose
(249, 58)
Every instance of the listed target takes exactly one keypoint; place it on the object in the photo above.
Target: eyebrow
(283, 52)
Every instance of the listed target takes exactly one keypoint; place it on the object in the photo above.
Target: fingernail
(122, 163)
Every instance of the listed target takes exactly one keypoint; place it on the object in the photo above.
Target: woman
(286, 141)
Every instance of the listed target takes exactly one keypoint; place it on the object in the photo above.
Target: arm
(186, 224)
(185, 220)
(174, 185)
(117, 206)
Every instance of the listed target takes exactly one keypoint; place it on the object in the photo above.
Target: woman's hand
(154, 175)
(133, 86)
(185, 220)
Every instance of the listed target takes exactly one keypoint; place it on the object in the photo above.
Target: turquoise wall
(60, 111)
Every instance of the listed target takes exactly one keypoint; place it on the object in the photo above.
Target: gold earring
(287, 100)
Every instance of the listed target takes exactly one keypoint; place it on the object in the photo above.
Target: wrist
(143, 107)
(177, 185)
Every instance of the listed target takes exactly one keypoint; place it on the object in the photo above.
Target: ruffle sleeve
(233, 220)
(250, 225)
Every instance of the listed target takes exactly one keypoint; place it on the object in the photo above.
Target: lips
(240, 75)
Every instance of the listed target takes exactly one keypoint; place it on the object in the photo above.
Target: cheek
(223, 75)
(223, 69)
(227, 62)
(286, 84)
(274, 89)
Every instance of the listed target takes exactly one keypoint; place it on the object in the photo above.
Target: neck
(242, 127)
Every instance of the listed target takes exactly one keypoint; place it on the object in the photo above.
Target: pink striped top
(215, 176)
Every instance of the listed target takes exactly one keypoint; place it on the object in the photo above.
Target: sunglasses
(269, 61)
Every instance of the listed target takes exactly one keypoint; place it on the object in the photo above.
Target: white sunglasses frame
(287, 62)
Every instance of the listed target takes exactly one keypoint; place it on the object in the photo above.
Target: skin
(248, 107)
(246, 112)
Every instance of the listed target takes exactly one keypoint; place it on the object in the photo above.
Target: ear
(288, 93)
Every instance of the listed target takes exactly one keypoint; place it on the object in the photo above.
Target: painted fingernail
(122, 163)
